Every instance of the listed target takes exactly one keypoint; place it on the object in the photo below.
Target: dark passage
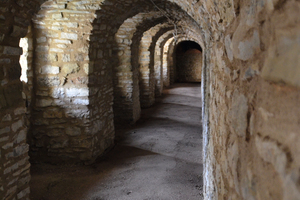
(188, 59)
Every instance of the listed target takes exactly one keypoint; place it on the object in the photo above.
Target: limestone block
(6, 118)
(238, 114)
(66, 57)
(56, 50)
(81, 101)
(42, 48)
(23, 193)
(228, 46)
(232, 159)
(5, 61)
(58, 143)
(44, 102)
(41, 39)
(55, 132)
(283, 64)
(21, 136)
(87, 143)
(52, 57)
(48, 81)
(19, 32)
(48, 69)
(62, 41)
(272, 153)
(73, 131)
(12, 51)
(77, 92)
(243, 45)
(53, 113)
(69, 36)
(5, 130)
(58, 93)
(70, 68)
(21, 149)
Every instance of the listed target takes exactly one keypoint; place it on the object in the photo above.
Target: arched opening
(188, 57)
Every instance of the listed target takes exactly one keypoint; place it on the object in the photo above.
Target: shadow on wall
(188, 61)
(72, 117)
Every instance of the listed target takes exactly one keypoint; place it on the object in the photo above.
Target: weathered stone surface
(69, 36)
(12, 51)
(70, 68)
(48, 81)
(48, 69)
(73, 131)
(238, 114)
(53, 113)
(283, 67)
(244, 48)
(77, 92)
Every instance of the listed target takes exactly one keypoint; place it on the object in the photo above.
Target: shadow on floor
(159, 158)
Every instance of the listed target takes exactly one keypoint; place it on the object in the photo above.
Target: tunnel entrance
(188, 62)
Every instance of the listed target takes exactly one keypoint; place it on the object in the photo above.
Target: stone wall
(146, 69)
(252, 140)
(189, 66)
(67, 123)
(14, 165)
(250, 87)
(126, 82)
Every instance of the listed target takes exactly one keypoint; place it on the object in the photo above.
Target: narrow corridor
(158, 158)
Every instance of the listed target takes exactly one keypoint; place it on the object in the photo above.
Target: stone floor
(159, 158)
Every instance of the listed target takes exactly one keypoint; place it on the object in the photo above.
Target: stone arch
(188, 60)
(126, 74)
(148, 73)
(164, 56)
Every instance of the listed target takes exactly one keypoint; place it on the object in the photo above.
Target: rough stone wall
(158, 60)
(250, 90)
(251, 151)
(189, 66)
(147, 72)
(70, 118)
(14, 165)
(127, 105)
(169, 58)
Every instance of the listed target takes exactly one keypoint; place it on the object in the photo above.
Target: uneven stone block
(69, 36)
(77, 92)
(41, 48)
(238, 114)
(20, 111)
(58, 143)
(53, 113)
(19, 32)
(73, 131)
(285, 66)
(81, 101)
(6, 117)
(17, 125)
(5, 130)
(48, 81)
(243, 47)
(41, 39)
(44, 102)
(70, 68)
(48, 69)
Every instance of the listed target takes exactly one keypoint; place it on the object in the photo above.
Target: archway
(188, 56)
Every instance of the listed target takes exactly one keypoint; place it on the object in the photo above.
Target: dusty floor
(159, 158)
